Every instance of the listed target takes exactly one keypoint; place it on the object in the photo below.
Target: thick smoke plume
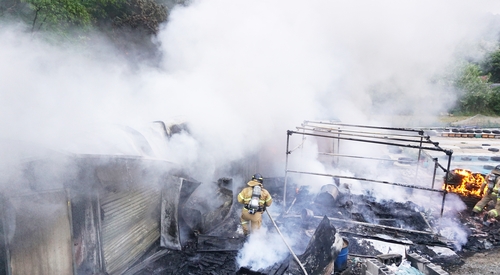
(240, 73)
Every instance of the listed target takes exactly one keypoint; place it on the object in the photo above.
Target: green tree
(143, 14)
(129, 24)
(58, 14)
(67, 15)
(475, 91)
(492, 66)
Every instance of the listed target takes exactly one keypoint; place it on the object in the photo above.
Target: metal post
(435, 169)
(449, 153)
(338, 146)
(288, 134)
(418, 158)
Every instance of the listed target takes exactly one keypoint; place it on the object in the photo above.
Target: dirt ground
(481, 263)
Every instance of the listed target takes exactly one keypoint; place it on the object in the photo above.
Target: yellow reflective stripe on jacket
(243, 198)
(493, 213)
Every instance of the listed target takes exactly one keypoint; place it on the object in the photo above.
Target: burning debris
(464, 183)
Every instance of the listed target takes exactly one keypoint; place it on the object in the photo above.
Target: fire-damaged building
(130, 214)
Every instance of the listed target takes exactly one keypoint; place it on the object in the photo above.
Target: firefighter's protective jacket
(493, 185)
(245, 195)
(496, 212)
(490, 195)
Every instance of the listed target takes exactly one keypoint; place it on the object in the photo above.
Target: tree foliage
(129, 24)
(491, 66)
(145, 14)
(476, 94)
(66, 15)
(58, 14)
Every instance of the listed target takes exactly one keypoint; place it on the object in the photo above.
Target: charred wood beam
(365, 224)
(217, 243)
(318, 257)
(427, 222)
(288, 246)
(136, 269)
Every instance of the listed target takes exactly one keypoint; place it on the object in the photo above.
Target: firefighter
(255, 200)
(491, 181)
(494, 213)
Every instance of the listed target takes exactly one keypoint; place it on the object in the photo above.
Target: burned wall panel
(41, 244)
(129, 226)
(85, 234)
(170, 236)
(175, 193)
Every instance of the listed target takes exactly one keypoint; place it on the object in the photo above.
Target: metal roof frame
(391, 136)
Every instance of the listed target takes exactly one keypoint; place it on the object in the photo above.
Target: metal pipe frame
(436, 165)
(446, 183)
(418, 157)
(373, 141)
(286, 168)
(370, 135)
(340, 134)
(370, 180)
(356, 157)
(366, 126)
(335, 130)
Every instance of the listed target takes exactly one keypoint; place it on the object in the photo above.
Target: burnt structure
(104, 214)
(73, 213)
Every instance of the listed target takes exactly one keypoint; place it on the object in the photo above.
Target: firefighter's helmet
(496, 170)
(258, 177)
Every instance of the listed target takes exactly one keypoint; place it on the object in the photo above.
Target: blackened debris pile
(482, 235)
(193, 262)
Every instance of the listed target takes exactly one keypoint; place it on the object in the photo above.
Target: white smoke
(242, 73)
(263, 248)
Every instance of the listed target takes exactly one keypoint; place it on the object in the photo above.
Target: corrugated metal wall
(41, 244)
(129, 227)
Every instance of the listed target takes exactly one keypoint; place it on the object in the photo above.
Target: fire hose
(289, 248)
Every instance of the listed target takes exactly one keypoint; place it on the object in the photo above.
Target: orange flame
(470, 185)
